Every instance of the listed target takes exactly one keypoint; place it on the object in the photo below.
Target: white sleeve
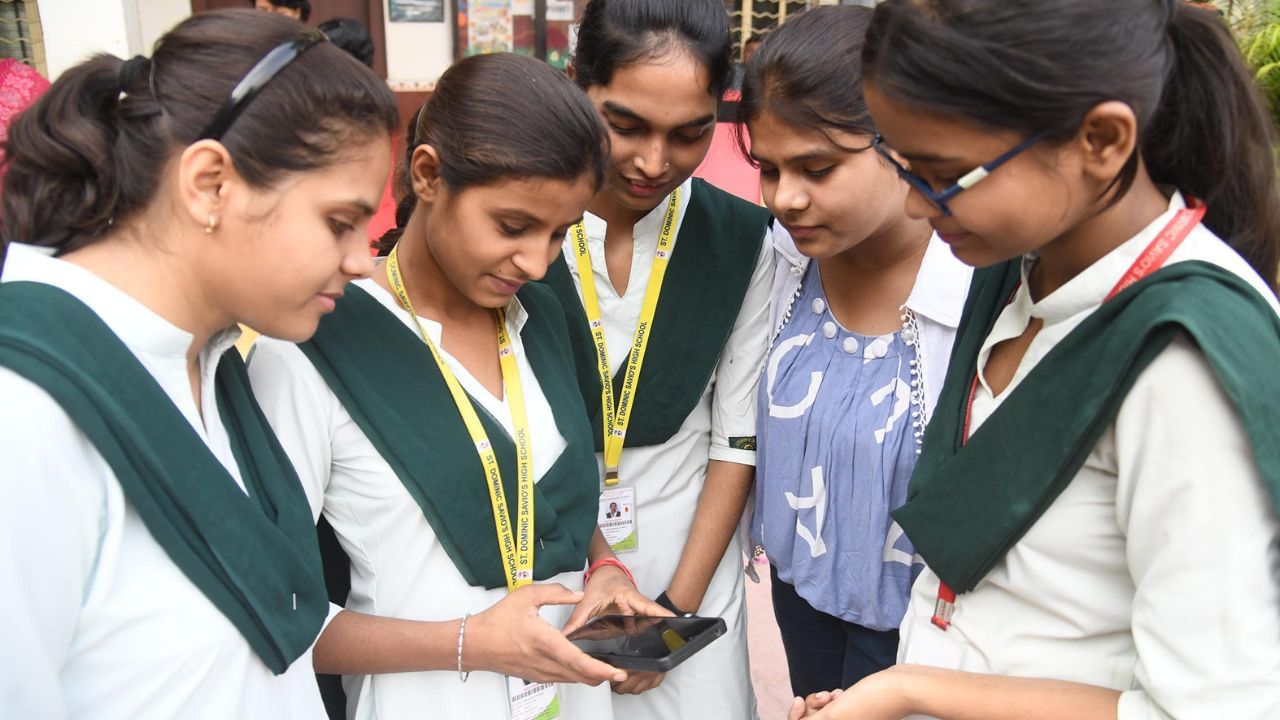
(53, 516)
(300, 408)
(733, 398)
(1202, 545)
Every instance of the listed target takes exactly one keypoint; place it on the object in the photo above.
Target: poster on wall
(416, 10)
(522, 7)
(489, 27)
(560, 10)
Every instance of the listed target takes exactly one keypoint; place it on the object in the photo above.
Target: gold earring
(213, 224)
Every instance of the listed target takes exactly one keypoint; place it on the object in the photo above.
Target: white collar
(649, 225)
(515, 312)
(1089, 288)
(139, 327)
(941, 285)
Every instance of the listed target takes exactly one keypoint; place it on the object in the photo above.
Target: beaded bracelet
(611, 560)
(462, 631)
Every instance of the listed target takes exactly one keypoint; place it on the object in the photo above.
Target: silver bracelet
(462, 631)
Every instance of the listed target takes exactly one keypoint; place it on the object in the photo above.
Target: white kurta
(715, 683)
(1154, 572)
(99, 622)
(399, 568)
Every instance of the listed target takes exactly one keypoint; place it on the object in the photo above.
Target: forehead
(777, 140)
(548, 200)
(667, 90)
(920, 134)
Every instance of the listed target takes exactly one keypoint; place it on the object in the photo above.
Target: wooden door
(368, 12)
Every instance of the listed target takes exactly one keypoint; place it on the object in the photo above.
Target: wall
(418, 53)
(76, 29)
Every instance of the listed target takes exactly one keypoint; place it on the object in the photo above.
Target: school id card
(617, 518)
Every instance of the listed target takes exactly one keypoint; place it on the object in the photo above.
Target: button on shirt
(99, 622)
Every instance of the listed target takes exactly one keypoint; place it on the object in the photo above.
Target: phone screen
(644, 637)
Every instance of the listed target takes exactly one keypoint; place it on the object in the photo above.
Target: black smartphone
(646, 643)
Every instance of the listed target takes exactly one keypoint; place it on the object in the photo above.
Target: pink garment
(20, 85)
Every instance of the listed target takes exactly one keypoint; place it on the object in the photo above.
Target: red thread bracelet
(611, 560)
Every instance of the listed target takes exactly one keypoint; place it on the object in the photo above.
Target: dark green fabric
(970, 502)
(386, 379)
(702, 293)
(249, 554)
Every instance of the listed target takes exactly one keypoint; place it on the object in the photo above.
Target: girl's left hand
(610, 592)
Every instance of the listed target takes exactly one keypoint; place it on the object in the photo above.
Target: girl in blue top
(861, 338)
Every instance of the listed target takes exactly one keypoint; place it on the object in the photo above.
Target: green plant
(1256, 24)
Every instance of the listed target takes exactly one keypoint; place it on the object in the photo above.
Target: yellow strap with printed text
(517, 547)
(618, 418)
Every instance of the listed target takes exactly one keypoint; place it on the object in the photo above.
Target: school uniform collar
(138, 326)
(515, 312)
(1089, 289)
(942, 282)
(649, 226)
(941, 285)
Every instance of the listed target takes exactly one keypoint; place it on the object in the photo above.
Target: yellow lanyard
(618, 418)
(517, 549)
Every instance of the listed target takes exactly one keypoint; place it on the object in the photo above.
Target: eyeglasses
(971, 178)
(256, 79)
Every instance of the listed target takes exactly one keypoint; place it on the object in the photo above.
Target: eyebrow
(614, 108)
(516, 214)
(929, 157)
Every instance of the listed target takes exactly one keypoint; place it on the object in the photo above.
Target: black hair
(808, 73)
(352, 36)
(1037, 67)
(616, 33)
(499, 117)
(91, 151)
(304, 6)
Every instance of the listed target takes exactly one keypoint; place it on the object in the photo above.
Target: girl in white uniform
(158, 556)
(865, 305)
(1096, 501)
(677, 256)
(398, 411)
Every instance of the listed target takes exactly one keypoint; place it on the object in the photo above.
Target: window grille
(20, 35)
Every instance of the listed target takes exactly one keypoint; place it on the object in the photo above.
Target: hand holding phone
(641, 642)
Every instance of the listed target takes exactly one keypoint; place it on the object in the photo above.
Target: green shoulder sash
(254, 556)
(970, 502)
(702, 293)
(385, 377)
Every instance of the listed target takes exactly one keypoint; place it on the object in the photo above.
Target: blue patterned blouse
(837, 444)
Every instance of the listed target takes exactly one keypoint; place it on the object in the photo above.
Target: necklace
(911, 336)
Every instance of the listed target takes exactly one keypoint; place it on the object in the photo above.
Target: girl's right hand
(511, 638)
(812, 704)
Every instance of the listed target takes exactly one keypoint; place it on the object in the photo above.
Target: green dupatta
(385, 377)
(702, 294)
(253, 556)
(969, 502)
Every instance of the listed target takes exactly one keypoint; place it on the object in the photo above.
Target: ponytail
(1038, 67)
(1212, 138)
(64, 183)
(91, 153)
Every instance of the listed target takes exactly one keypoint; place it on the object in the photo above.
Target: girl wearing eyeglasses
(158, 553)
(1096, 501)
(666, 283)
(865, 305)
(437, 422)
